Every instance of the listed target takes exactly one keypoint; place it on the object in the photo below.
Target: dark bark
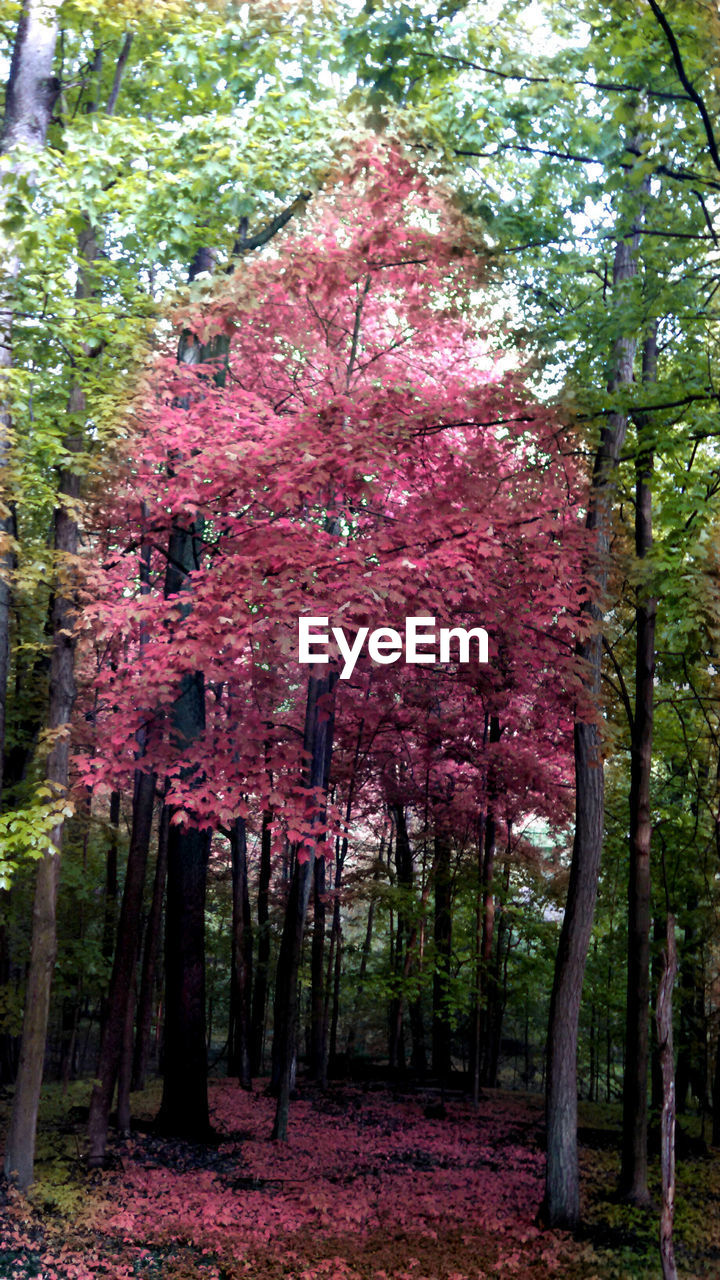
(716, 1097)
(405, 956)
(125, 1064)
(262, 968)
(317, 743)
(667, 1120)
(633, 1173)
(184, 1109)
(123, 971)
(317, 973)
(111, 879)
(242, 955)
(561, 1207)
(442, 935)
(335, 958)
(9, 1044)
(403, 878)
(150, 957)
(476, 1018)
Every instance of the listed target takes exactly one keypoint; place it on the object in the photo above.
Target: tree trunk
(184, 1109)
(150, 955)
(633, 1173)
(716, 1096)
(656, 1095)
(123, 971)
(561, 1207)
(404, 954)
(317, 972)
(263, 949)
(336, 947)
(367, 945)
(488, 906)
(20, 1147)
(317, 742)
(125, 1064)
(497, 988)
(241, 993)
(690, 1072)
(441, 1027)
(111, 879)
(29, 100)
(667, 1120)
(476, 1017)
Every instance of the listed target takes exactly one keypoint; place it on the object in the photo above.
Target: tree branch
(708, 219)
(245, 244)
(608, 86)
(356, 329)
(624, 695)
(692, 93)
(119, 73)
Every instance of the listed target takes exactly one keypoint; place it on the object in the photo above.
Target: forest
(359, 639)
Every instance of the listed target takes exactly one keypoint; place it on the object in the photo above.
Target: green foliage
(27, 833)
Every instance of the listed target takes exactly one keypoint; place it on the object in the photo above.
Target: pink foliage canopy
(366, 458)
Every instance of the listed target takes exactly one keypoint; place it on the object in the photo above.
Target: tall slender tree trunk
(336, 947)
(476, 1018)
(403, 875)
(260, 988)
(123, 971)
(691, 1068)
(317, 742)
(241, 993)
(488, 904)
(111, 879)
(442, 934)
(561, 1206)
(633, 1173)
(364, 958)
(497, 983)
(31, 93)
(20, 1146)
(124, 1084)
(656, 1094)
(317, 972)
(664, 1022)
(29, 100)
(150, 958)
(184, 1108)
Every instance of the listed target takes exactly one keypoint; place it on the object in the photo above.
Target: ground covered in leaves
(373, 1184)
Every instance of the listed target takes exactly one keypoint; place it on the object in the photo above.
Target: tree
(289, 491)
(524, 157)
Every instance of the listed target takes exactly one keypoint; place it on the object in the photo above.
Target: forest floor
(368, 1187)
